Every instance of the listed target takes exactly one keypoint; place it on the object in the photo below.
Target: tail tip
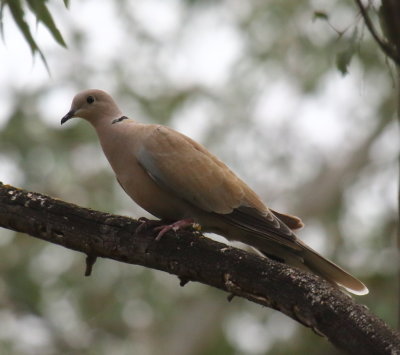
(359, 290)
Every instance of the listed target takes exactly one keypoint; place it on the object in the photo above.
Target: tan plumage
(173, 177)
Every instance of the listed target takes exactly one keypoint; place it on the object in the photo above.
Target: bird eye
(90, 99)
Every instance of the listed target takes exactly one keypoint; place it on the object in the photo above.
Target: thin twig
(386, 48)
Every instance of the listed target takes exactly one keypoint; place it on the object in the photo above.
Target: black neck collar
(117, 120)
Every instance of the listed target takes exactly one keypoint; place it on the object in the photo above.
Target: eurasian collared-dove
(176, 179)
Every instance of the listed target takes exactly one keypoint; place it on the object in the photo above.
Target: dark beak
(67, 117)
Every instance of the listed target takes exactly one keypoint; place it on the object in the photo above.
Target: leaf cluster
(18, 10)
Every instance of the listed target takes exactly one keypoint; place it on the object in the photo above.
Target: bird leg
(182, 223)
(146, 223)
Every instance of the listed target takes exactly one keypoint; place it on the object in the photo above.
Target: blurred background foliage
(262, 84)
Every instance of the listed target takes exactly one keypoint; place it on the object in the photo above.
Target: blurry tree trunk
(302, 296)
(389, 14)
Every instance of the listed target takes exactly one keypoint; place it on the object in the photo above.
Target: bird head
(94, 106)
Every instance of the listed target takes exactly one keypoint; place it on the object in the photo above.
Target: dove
(177, 179)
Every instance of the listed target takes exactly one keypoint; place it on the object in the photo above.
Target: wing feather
(186, 168)
(264, 226)
(189, 171)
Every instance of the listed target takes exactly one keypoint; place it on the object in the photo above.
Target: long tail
(272, 234)
(331, 272)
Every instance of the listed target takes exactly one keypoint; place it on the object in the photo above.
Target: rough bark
(302, 296)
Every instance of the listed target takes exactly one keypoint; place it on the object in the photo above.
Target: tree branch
(384, 45)
(302, 296)
(389, 14)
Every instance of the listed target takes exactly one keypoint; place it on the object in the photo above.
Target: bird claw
(161, 227)
(183, 223)
(146, 223)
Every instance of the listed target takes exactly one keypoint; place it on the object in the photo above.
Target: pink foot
(182, 223)
(147, 223)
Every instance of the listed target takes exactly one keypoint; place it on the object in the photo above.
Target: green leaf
(18, 15)
(343, 60)
(43, 15)
(320, 15)
(66, 3)
(39, 9)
